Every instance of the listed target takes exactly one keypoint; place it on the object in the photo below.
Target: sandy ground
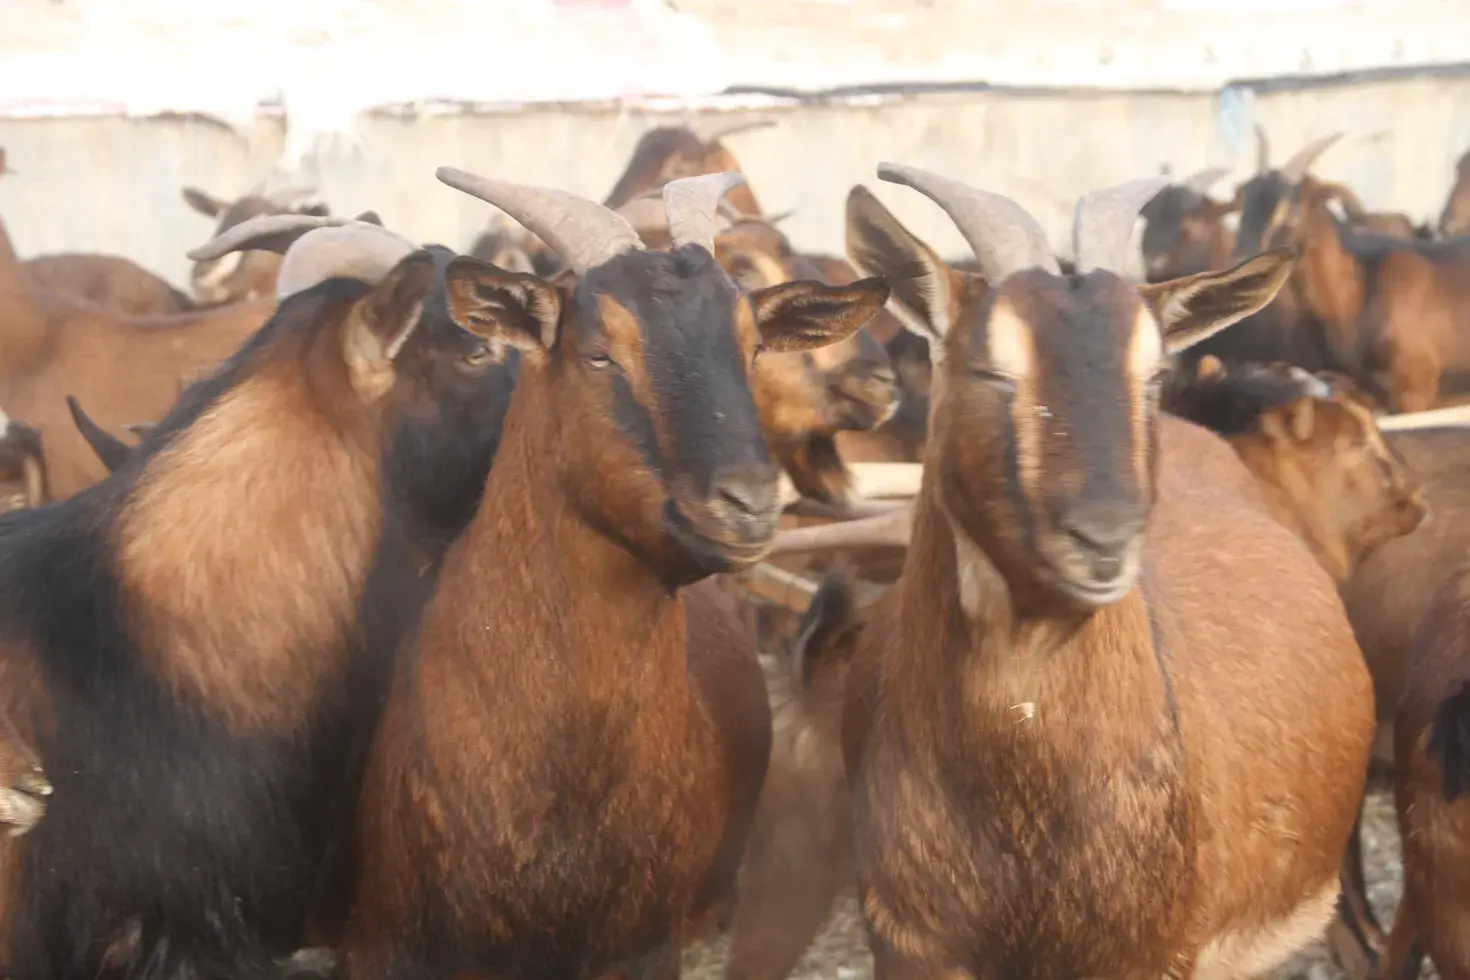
(841, 953)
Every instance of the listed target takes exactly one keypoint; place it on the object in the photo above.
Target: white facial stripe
(1145, 347)
(1010, 345)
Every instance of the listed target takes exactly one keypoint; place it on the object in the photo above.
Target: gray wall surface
(112, 184)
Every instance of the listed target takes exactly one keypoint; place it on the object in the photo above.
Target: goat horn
(1263, 151)
(264, 233)
(1003, 235)
(355, 250)
(581, 232)
(1203, 180)
(1103, 226)
(1296, 168)
(780, 216)
(712, 130)
(693, 203)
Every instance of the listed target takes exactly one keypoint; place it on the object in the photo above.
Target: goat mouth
(1089, 592)
(716, 553)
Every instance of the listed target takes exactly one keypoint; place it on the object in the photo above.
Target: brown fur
(669, 153)
(1434, 816)
(1192, 828)
(179, 551)
(110, 281)
(578, 796)
(124, 369)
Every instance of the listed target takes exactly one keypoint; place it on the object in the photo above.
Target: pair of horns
(1296, 168)
(314, 248)
(586, 234)
(1006, 238)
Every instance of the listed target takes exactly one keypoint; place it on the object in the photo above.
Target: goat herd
(299, 684)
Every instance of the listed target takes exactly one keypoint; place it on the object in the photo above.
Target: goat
(243, 276)
(110, 281)
(1184, 228)
(1325, 473)
(23, 798)
(198, 646)
(1070, 755)
(571, 808)
(24, 481)
(1455, 218)
(1391, 313)
(1431, 736)
(1385, 598)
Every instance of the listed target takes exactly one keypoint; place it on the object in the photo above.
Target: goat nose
(746, 501)
(1105, 536)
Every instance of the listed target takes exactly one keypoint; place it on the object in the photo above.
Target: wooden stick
(888, 530)
(1454, 415)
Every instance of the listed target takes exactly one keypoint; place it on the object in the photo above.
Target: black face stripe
(695, 368)
(634, 421)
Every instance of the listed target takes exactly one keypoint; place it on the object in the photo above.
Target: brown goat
(1325, 473)
(1075, 757)
(559, 786)
(1393, 313)
(1455, 218)
(26, 788)
(110, 281)
(127, 369)
(1432, 792)
(242, 276)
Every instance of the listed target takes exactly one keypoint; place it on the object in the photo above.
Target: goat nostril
(749, 498)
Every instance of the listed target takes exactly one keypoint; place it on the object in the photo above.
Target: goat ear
(512, 307)
(380, 323)
(210, 207)
(925, 288)
(1195, 308)
(807, 314)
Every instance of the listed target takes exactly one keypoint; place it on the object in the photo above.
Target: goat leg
(1356, 938)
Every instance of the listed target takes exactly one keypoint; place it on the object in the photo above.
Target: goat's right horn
(1201, 181)
(693, 205)
(263, 233)
(1296, 168)
(1003, 235)
(1103, 225)
(581, 232)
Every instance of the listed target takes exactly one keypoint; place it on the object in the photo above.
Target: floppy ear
(514, 308)
(802, 315)
(208, 206)
(1195, 308)
(380, 323)
(925, 289)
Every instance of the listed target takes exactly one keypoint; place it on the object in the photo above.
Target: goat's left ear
(1294, 422)
(802, 315)
(514, 308)
(381, 322)
(1195, 308)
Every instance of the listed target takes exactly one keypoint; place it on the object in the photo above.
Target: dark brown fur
(1431, 767)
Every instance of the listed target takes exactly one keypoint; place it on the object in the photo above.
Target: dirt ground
(841, 953)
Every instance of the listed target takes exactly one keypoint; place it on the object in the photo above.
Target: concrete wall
(112, 184)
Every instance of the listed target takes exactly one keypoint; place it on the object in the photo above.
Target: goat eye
(477, 357)
(599, 362)
(1000, 381)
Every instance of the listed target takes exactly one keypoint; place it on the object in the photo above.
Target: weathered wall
(112, 184)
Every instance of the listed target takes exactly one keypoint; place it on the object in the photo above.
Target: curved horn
(1263, 151)
(693, 205)
(356, 250)
(1003, 235)
(109, 448)
(1201, 181)
(1296, 168)
(581, 232)
(264, 233)
(712, 130)
(1103, 226)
